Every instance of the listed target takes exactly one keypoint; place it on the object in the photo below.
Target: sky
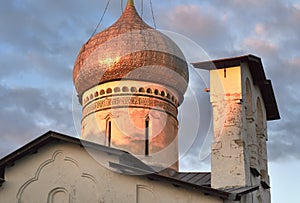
(39, 42)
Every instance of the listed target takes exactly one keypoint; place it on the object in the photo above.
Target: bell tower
(130, 80)
(243, 101)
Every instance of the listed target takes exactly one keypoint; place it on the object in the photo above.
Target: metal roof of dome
(130, 50)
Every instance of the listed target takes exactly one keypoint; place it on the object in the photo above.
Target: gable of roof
(257, 73)
(51, 136)
(128, 165)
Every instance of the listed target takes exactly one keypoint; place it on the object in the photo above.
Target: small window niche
(147, 135)
(108, 132)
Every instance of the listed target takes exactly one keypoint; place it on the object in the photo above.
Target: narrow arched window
(108, 132)
(147, 136)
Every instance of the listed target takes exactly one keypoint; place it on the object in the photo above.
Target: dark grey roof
(257, 73)
(201, 178)
(128, 165)
(240, 190)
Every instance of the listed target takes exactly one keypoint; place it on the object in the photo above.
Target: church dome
(130, 50)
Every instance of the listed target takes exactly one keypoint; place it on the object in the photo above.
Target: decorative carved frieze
(129, 102)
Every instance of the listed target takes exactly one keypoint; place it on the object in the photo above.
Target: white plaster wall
(67, 173)
(237, 144)
(228, 150)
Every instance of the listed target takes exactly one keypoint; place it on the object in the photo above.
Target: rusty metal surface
(130, 49)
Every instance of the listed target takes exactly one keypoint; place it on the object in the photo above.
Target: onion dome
(130, 50)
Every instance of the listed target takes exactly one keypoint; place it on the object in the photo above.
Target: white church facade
(130, 80)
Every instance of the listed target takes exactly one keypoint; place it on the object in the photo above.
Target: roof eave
(257, 73)
(48, 137)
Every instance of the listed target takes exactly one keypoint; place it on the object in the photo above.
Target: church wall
(240, 132)
(62, 172)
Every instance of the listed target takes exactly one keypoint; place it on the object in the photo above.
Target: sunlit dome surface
(130, 50)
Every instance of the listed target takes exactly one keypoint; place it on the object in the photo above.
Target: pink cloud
(203, 24)
(260, 29)
(259, 46)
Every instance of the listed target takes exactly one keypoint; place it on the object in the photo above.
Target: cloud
(284, 139)
(197, 23)
(260, 47)
(32, 43)
(29, 112)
